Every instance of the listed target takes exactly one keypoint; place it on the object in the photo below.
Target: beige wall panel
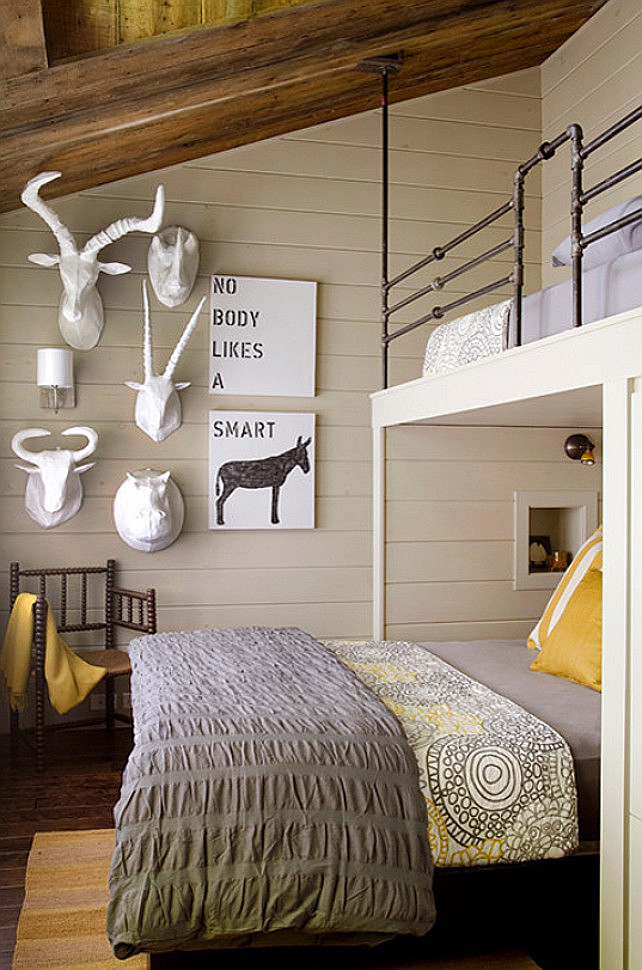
(298, 207)
(592, 80)
(443, 602)
(498, 630)
(435, 562)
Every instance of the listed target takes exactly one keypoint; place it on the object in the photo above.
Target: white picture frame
(262, 336)
(261, 470)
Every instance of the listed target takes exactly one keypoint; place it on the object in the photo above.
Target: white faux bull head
(81, 314)
(158, 407)
(148, 510)
(172, 263)
(54, 490)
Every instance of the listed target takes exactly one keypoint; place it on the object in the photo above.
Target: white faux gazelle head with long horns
(158, 407)
(81, 314)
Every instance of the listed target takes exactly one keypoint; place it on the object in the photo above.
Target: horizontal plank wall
(592, 80)
(450, 533)
(304, 206)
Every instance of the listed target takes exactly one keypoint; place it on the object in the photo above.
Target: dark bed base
(549, 908)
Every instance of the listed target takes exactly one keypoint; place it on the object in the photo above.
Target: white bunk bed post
(543, 384)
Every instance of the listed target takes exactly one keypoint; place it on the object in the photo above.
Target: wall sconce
(579, 447)
(56, 378)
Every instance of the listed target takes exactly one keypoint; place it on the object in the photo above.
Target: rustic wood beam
(22, 38)
(154, 104)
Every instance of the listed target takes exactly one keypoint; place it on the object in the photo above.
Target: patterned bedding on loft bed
(285, 791)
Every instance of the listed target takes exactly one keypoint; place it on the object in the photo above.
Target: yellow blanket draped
(69, 678)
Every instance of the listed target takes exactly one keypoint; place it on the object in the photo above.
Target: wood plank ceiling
(104, 89)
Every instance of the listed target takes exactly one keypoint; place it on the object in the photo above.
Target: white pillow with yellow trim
(586, 558)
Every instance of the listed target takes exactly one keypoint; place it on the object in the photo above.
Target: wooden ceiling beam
(159, 103)
(22, 38)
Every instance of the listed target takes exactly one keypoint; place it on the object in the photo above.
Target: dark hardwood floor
(78, 791)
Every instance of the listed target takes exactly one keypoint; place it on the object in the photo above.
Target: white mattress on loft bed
(607, 289)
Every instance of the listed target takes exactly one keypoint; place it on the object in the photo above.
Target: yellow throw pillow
(586, 558)
(573, 648)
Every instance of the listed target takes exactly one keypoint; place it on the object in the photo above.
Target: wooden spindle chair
(130, 609)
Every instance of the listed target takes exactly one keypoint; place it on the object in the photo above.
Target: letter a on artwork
(218, 380)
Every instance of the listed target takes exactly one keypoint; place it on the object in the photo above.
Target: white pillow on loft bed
(624, 240)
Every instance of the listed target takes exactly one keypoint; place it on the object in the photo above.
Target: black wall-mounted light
(580, 448)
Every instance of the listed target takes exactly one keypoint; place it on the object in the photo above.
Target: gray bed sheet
(572, 710)
(606, 290)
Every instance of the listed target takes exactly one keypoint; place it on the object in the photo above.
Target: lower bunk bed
(288, 792)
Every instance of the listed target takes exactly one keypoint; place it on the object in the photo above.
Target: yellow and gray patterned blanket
(499, 784)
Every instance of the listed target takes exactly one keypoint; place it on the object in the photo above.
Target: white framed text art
(262, 336)
(261, 470)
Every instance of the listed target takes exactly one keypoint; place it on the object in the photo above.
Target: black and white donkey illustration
(268, 472)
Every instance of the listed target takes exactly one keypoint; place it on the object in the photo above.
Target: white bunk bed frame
(584, 377)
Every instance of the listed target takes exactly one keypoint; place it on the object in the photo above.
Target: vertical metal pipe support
(518, 250)
(577, 162)
(384, 226)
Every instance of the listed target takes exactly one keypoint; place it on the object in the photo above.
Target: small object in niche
(559, 561)
(54, 490)
(148, 510)
(172, 263)
(539, 551)
(81, 313)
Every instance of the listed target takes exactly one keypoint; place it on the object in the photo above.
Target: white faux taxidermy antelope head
(148, 510)
(54, 490)
(158, 407)
(81, 314)
(172, 263)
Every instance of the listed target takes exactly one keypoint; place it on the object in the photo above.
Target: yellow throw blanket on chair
(69, 678)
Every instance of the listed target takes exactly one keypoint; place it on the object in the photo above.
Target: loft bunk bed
(534, 370)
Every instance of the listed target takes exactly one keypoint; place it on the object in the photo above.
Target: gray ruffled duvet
(270, 798)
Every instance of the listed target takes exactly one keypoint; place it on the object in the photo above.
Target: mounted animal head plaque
(148, 510)
(158, 408)
(54, 490)
(81, 313)
(172, 263)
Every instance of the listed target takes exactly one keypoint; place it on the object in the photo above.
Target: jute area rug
(62, 921)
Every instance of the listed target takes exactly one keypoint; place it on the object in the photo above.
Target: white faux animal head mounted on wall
(54, 490)
(172, 263)
(158, 407)
(81, 313)
(148, 510)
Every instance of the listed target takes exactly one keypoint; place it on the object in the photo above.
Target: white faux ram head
(158, 406)
(54, 490)
(81, 314)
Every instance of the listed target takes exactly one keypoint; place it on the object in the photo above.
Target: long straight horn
(148, 363)
(121, 227)
(182, 343)
(33, 201)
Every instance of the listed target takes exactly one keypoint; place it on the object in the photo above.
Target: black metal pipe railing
(579, 241)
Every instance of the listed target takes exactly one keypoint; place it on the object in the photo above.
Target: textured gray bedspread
(270, 797)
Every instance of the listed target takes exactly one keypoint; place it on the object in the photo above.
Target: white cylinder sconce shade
(55, 378)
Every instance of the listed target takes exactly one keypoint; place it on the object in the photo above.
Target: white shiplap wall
(302, 206)
(593, 80)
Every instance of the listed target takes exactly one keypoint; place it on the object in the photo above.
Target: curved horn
(20, 436)
(131, 224)
(90, 447)
(33, 201)
(182, 343)
(148, 364)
